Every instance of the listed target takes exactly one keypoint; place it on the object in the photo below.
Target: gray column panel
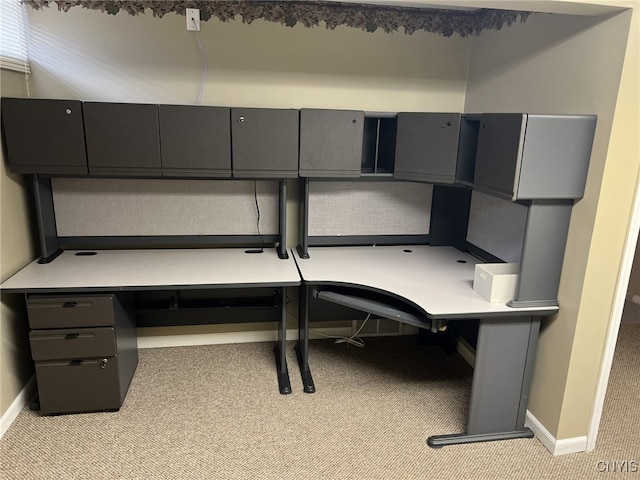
(499, 393)
(543, 252)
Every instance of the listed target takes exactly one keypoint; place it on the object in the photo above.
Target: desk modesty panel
(114, 270)
(437, 280)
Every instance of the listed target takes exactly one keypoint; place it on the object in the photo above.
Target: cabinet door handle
(103, 363)
(447, 124)
(69, 304)
(241, 119)
(68, 111)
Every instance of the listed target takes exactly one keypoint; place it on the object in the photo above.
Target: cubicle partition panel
(90, 213)
(364, 212)
(496, 228)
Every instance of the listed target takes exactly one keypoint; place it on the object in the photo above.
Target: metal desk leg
(302, 348)
(502, 374)
(281, 349)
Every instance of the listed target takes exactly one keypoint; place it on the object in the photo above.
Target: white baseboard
(16, 406)
(185, 340)
(556, 447)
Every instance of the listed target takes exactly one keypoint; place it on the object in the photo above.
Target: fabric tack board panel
(146, 207)
(497, 226)
(369, 208)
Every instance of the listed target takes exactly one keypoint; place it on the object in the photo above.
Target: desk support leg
(505, 354)
(302, 348)
(284, 383)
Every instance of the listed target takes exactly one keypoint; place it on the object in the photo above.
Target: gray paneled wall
(137, 207)
(497, 226)
(369, 208)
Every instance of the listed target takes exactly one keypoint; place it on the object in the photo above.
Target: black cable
(255, 197)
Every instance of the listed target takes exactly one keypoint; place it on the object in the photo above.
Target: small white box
(496, 282)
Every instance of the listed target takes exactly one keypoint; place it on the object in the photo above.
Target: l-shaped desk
(424, 286)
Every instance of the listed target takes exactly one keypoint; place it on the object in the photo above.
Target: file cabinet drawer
(79, 386)
(54, 311)
(75, 343)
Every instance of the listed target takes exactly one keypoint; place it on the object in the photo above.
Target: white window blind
(13, 42)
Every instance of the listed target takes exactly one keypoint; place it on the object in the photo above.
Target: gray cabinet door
(122, 139)
(499, 153)
(44, 136)
(264, 142)
(195, 141)
(330, 143)
(427, 147)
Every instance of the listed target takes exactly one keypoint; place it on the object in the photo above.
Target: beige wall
(16, 250)
(89, 55)
(564, 64)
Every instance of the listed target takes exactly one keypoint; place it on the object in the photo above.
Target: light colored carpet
(214, 412)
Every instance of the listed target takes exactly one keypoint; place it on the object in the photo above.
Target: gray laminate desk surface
(157, 269)
(432, 278)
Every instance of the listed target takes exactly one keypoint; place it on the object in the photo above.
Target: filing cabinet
(85, 350)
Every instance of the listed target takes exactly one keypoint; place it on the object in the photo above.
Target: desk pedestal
(505, 355)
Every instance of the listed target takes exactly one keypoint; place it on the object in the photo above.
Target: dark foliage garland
(313, 13)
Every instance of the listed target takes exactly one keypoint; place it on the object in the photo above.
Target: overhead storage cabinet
(44, 136)
(331, 143)
(528, 157)
(427, 147)
(195, 141)
(264, 142)
(122, 139)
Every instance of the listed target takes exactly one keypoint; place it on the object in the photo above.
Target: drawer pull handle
(75, 363)
(71, 336)
(69, 304)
